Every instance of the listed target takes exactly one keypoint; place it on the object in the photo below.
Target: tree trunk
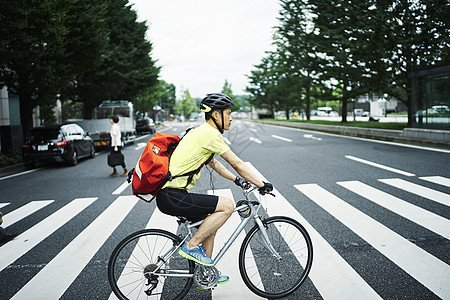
(308, 102)
(88, 110)
(26, 112)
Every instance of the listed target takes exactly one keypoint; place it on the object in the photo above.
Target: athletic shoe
(196, 254)
(222, 279)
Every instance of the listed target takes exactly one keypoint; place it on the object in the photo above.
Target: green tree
(32, 48)
(339, 26)
(227, 90)
(127, 68)
(186, 105)
(411, 35)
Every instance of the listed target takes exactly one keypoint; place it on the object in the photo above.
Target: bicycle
(274, 259)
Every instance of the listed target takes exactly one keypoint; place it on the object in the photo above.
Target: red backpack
(152, 169)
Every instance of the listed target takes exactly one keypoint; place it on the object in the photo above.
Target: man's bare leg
(207, 230)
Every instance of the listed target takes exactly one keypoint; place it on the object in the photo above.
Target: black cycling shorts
(178, 202)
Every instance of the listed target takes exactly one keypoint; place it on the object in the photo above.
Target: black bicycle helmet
(216, 101)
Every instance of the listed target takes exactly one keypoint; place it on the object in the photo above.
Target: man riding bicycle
(196, 147)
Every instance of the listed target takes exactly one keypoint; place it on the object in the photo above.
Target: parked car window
(38, 135)
(78, 130)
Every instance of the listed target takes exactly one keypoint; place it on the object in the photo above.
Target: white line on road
(52, 281)
(140, 146)
(253, 139)
(405, 209)
(24, 211)
(33, 236)
(379, 166)
(438, 180)
(422, 191)
(227, 141)
(121, 188)
(4, 204)
(421, 265)
(332, 276)
(18, 174)
(281, 138)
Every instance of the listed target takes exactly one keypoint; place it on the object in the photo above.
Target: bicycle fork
(265, 238)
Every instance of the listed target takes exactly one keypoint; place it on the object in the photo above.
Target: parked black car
(63, 143)
(145, 125)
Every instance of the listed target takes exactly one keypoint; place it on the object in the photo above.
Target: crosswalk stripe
(333, 277)
(24, 211)
(235, 288)
(370, 163)
(33, 236)
(3, 204)
(121, 188)
(157, 220)
(421, 265)
(437, 179)
(407, 210)
(422, 191)
(52, 281)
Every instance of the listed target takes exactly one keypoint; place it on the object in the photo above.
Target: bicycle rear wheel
(264, 274)
(138, 254)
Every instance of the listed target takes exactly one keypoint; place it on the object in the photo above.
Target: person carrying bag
(116, 158)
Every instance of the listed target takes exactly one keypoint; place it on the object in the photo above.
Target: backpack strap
(191, 174)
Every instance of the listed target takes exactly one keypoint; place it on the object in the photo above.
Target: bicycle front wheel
(269, 276)
(137, 255)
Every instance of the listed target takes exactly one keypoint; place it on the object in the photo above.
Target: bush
(8, 160)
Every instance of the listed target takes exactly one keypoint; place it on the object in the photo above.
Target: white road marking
(253, 139)
(235, 288)
(332, 276)
(140, 146)
(422, 191)
(281, 138)
(33, 236)
(18, 174)
(53, 280)
(407, 210)
(24, 211)
(379, 166)
(438, 180)
(421, 265)
(227, 141)
(4, 204)
(121, 188)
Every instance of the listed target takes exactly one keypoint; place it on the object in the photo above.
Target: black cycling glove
(267, 188)
(242, 182)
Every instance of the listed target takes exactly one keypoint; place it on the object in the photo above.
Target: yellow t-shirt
(193, 150)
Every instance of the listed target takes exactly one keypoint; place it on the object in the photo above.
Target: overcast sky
(201, 43)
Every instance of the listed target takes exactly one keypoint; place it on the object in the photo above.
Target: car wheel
(29, 164)
(74, 158)
(92, 153)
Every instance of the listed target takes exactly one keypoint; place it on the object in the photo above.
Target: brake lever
(267, 193)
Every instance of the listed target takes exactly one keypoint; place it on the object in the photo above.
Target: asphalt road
(378, 214)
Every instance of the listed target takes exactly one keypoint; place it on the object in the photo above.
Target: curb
(398, 136)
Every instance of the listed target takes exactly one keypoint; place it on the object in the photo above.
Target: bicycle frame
(257, 219)
(254, 208)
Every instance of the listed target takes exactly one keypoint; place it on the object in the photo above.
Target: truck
(99, 128)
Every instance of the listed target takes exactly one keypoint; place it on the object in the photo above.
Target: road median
(412, 136)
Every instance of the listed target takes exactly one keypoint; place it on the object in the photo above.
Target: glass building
(431, 98)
